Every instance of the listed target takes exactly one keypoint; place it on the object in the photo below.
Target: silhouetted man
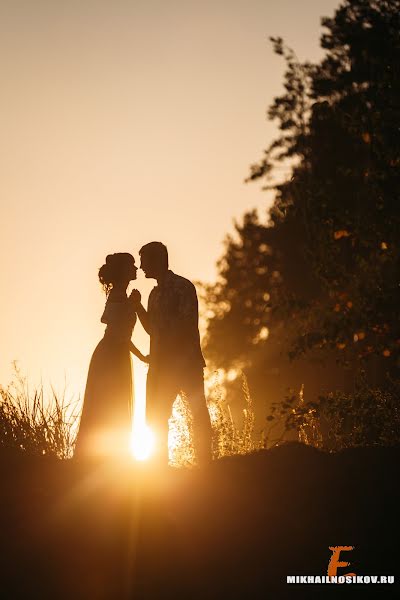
(176, 359)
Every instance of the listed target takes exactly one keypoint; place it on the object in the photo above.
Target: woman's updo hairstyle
(114, 268)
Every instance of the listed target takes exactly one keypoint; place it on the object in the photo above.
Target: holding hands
(135, 297)
(136, 352)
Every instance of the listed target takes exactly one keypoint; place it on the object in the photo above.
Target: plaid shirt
(173, 318)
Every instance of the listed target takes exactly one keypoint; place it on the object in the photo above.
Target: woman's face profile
(133, 273)
(130, 272)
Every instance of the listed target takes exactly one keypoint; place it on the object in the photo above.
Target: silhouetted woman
(106, 420)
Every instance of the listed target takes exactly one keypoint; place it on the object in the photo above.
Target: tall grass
(42, 425)
(35, 424)
(180, 437)
(227, 437)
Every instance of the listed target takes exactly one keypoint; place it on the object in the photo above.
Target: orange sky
(123, 122)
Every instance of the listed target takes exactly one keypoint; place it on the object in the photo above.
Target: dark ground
(234, 530)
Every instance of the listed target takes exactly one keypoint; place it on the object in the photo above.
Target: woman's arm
(137, 353)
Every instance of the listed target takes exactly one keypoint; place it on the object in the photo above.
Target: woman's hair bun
(112, 269)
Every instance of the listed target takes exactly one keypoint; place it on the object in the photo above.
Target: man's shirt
(173, 315)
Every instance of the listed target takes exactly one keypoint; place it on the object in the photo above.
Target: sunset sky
(123, 122)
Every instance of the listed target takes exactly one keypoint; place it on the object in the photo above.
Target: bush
(367, 417)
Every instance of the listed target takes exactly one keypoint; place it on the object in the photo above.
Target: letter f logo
(334, 563)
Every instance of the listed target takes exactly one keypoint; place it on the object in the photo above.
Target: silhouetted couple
(176, 362)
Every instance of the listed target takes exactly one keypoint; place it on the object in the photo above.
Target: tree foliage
(320, 277)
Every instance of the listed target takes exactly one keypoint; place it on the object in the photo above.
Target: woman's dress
(106, 421)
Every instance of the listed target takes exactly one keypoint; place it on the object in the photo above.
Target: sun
(142, 442)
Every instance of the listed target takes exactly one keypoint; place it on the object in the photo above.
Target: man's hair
(157, 251)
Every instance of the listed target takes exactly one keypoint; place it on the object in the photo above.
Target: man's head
(154, 260)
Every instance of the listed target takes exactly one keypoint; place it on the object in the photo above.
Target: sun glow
(142, 438)
(142, 443)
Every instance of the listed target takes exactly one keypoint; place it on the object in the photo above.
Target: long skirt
(106, 421)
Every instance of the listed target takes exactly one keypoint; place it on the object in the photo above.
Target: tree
(320, 277)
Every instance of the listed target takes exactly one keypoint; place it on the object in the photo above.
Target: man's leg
(194, 390)
(158, 411)
(157, 421)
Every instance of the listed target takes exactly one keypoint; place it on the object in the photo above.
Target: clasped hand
(135, 297)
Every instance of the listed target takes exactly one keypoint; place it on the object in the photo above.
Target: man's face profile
(148, 266)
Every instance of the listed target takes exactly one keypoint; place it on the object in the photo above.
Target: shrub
(367, 417)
